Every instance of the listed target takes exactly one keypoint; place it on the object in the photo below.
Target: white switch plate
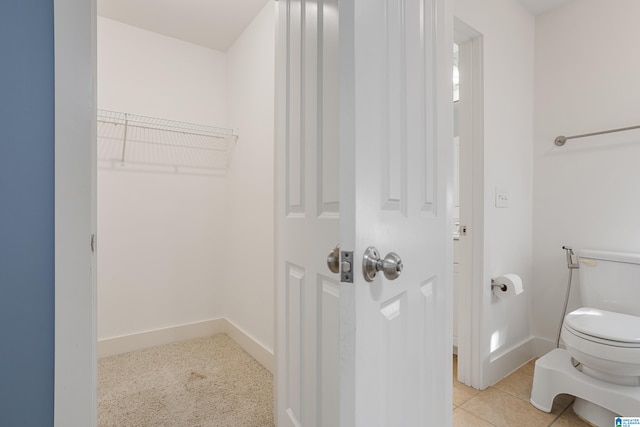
(502, 198)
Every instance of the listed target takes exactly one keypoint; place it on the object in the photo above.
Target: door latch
(341, 262)
(463, 230)
(346, 267)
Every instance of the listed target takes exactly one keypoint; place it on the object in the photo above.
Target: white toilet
(601, 363)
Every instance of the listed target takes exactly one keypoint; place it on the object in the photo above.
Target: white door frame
(472, 369)
(75, 213)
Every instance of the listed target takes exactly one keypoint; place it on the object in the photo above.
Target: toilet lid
(607, 325)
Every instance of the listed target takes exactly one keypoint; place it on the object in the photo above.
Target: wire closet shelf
(126, 138)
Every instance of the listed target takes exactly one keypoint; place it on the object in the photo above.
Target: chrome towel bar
(559, 141)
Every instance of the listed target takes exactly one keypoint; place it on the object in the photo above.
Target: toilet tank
(610, 281)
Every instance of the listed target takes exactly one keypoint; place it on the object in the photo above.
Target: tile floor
(507, 404)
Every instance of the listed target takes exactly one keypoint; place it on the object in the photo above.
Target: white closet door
(396, 157)
(390, 362)
(307, 213)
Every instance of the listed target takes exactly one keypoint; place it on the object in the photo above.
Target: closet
(185, 187)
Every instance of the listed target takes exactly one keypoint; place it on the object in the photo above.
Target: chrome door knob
(333, 260)
(391, 265)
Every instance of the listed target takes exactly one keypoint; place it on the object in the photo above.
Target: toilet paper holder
(502, 287)
(507, 285)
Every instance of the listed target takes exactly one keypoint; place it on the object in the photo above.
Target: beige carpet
(196, 383)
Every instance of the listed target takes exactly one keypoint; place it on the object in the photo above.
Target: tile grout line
(479, 417)
(561, 414)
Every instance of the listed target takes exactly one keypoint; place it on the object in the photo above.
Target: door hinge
(346, 267)
(93, 243)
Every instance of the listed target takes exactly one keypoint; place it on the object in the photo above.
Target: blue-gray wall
(26, 213)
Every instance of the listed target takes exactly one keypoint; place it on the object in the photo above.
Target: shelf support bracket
(124, 140)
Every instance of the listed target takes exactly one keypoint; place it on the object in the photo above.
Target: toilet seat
(604, 340)
(605, 327)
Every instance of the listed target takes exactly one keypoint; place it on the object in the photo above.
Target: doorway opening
(179, 204)
(81, 372)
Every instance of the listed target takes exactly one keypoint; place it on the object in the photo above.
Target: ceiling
(211, 23)
(214, 23)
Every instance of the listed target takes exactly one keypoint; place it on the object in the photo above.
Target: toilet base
(555, 374)
(596, 415)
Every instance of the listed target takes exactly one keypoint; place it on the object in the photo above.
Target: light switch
(502, 198)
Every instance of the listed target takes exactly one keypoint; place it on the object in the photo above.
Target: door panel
(397, 334)
(295, 341)
(307, 199)
(328, 414)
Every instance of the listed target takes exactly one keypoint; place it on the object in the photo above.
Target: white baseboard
(139, 341)
(542, 346)
(510, 360)
(263, 355)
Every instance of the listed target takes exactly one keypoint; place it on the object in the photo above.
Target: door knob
(333, 260)
(391, 265)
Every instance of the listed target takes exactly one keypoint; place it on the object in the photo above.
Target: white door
(364, 353)
(307, 199)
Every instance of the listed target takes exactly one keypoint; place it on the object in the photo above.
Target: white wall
(249, 280)
(161, 235)
(147, 73)
(508, 45)
(586, 193)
